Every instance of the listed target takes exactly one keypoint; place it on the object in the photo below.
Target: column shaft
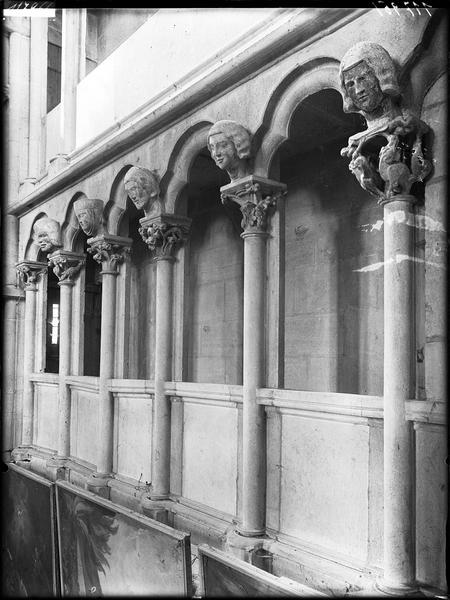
(398, 353)
(18, 131)
(254, 460)
(64, 368)
(70, 72)
(105, 406)
(9, 366)
(161, 408)
(38, 93)
(28, 366)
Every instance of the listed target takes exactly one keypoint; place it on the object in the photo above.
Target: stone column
(15, 108)
(399, 543)
(255, 196)
(29, 271)
(18, 105)
(72, 53)
(387, 161)
(163, 234)
(38, 100)
(66, 266)
(109, 251)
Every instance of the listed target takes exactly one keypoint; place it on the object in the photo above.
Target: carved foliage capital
(66, 265)
(164, 237)
(109, 251)
(256, 197)
(29, 273)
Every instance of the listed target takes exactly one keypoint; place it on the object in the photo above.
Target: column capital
(255, 196)
(66, 265)
(388, 160)
(164, 233)
(29, 272)
(109, 250)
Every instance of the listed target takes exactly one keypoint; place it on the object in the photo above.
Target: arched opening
(214, 279)
(92, 314)
(140, 284)
(52, 322)
(333, 310)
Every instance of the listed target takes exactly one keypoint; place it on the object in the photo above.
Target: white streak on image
(399, 216)
(399, 258)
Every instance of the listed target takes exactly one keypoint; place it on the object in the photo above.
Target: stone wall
(214, 309)
(334, 300)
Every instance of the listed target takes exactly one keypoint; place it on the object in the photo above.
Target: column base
(408, 590)
(244, 547)
(57, 163)
(250, 533)
(98, 484)
(27, 186)
(56, 468)
(155, 509)
(21, 453)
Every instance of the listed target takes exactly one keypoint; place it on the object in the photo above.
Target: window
(55, 324)
(54, 61)
(92, 317)
(52, 329)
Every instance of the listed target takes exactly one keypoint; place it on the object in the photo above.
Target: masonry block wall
(334, 300)
(215, 283)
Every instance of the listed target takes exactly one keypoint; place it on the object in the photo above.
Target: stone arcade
(225, 278)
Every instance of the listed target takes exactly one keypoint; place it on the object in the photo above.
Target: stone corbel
(388, 162)
(109, 251)
(256, 197)
(164, 234)
(47, 234)
(66, 265)
(29, 272)
(89, 212)
(389, 156)
(142, 187)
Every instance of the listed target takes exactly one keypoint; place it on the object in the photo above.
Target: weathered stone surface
(213, 428)
(89, 213)
(230, 146)
(334, 450)
(388, 157)
(142, 187)
(66, 265)
(47, 234)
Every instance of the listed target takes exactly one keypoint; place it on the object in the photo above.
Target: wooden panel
(224, 576)
(28, 535)
(109, 550)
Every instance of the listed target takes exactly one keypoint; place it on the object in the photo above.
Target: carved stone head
(369, 82)
(47, 234)
(230, 146)
(142, 187)
(89, 214)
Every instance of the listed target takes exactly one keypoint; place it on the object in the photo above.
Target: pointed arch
(305, 80)
(117, 202)
(186, 149)
(71, 229)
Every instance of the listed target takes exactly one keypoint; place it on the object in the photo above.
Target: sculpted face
(86, 219)
(363, 87)
(223, 151)
(43, 241)
(138, 194)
